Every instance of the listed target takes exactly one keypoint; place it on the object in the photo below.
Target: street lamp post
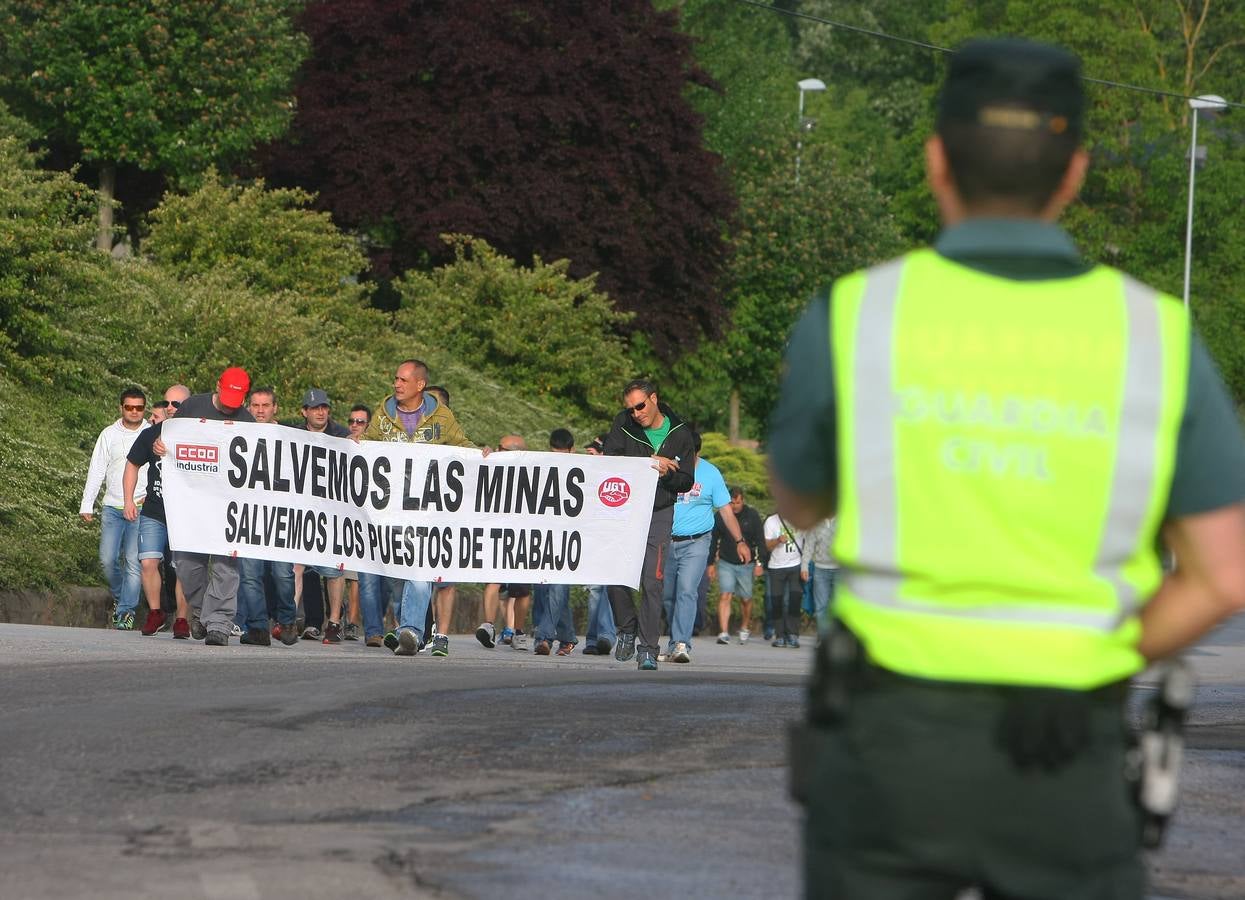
(803, 125)
(1196, 105)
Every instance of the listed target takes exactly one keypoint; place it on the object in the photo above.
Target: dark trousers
(647, 621)
(313, 598)
(168, 583)
(784, 591)
(910, 796)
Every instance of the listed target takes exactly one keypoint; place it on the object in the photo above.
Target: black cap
(1014, 84)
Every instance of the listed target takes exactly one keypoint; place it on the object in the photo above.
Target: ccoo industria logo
(614, 492)
(196, 457)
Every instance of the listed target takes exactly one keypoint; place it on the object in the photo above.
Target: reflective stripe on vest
(930, 620)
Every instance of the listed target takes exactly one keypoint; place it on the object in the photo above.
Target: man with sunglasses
(118, 537)
(648, 428)
(153, 533)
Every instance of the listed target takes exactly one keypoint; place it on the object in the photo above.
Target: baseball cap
(1015, 84)
(315, 397)
(232, 387)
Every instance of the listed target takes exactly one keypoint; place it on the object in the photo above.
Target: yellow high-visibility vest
(1005, 454)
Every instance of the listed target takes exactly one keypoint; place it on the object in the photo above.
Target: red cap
(232, 388)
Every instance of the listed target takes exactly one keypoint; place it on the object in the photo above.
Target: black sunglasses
(164, 404)
(358, 421)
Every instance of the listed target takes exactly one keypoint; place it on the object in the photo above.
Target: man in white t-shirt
(784, 586)
(118, 536)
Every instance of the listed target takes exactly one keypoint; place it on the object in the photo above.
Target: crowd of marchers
(702, 535)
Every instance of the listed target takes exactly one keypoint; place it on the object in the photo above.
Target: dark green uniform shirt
(1210, 455)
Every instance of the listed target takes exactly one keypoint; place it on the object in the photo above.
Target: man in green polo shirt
(1004, 431)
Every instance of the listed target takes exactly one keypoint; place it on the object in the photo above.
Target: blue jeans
(685, 569)
(823, 593)
(118, 537)
(413, 610)
(600, 616)
(252, 600)
(374, 594)
(555, 621)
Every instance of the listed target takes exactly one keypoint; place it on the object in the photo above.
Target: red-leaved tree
(551, 129)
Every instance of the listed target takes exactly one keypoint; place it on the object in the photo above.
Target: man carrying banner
(409, 415)
(648, 428)
(153, 536)
(211, 582)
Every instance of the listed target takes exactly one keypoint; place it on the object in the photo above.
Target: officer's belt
(1111, 694)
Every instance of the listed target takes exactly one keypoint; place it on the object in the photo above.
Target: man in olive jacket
(647, 427)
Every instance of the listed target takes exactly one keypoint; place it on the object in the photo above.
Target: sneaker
(155, 621)
(486, 634)
(124, 622)
(646, 660)
(287, 634)
(390, 640)
(744, 634)
(197, 631)
(167, 624)
(590, 649)
(604, 646)
(277, 630)
(408, 643)
(351, 631)
(217, 639)
(663, 655)
(507, 635)
(725, 638)
(625, 648)
(519, 641)
(374, 641)
(235, 630)
(681, 654)
(333, 633)
(544, 648)
(566, 649)
(793, 643)
(779, 642)
(768, 634)
(311, 633)
(257, 636)
(181, 630)
(440, 645)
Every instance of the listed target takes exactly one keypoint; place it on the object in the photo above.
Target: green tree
(551, 335)
(793, 238)
(167, 85)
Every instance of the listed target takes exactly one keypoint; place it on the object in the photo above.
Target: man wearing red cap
(211, 582)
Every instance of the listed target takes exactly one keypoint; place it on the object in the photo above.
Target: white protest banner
(414, 511)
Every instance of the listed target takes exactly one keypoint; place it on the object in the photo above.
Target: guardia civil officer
(1002, 429)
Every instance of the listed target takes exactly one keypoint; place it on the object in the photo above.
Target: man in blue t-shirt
(688, 555)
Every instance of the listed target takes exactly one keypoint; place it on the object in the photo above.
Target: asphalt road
(147, 768)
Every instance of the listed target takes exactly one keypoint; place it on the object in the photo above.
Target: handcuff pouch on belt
(1154, 761)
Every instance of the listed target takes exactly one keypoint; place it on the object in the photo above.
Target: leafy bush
(739, 466)
(550, 335)
(270, 238)
(45, 222)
